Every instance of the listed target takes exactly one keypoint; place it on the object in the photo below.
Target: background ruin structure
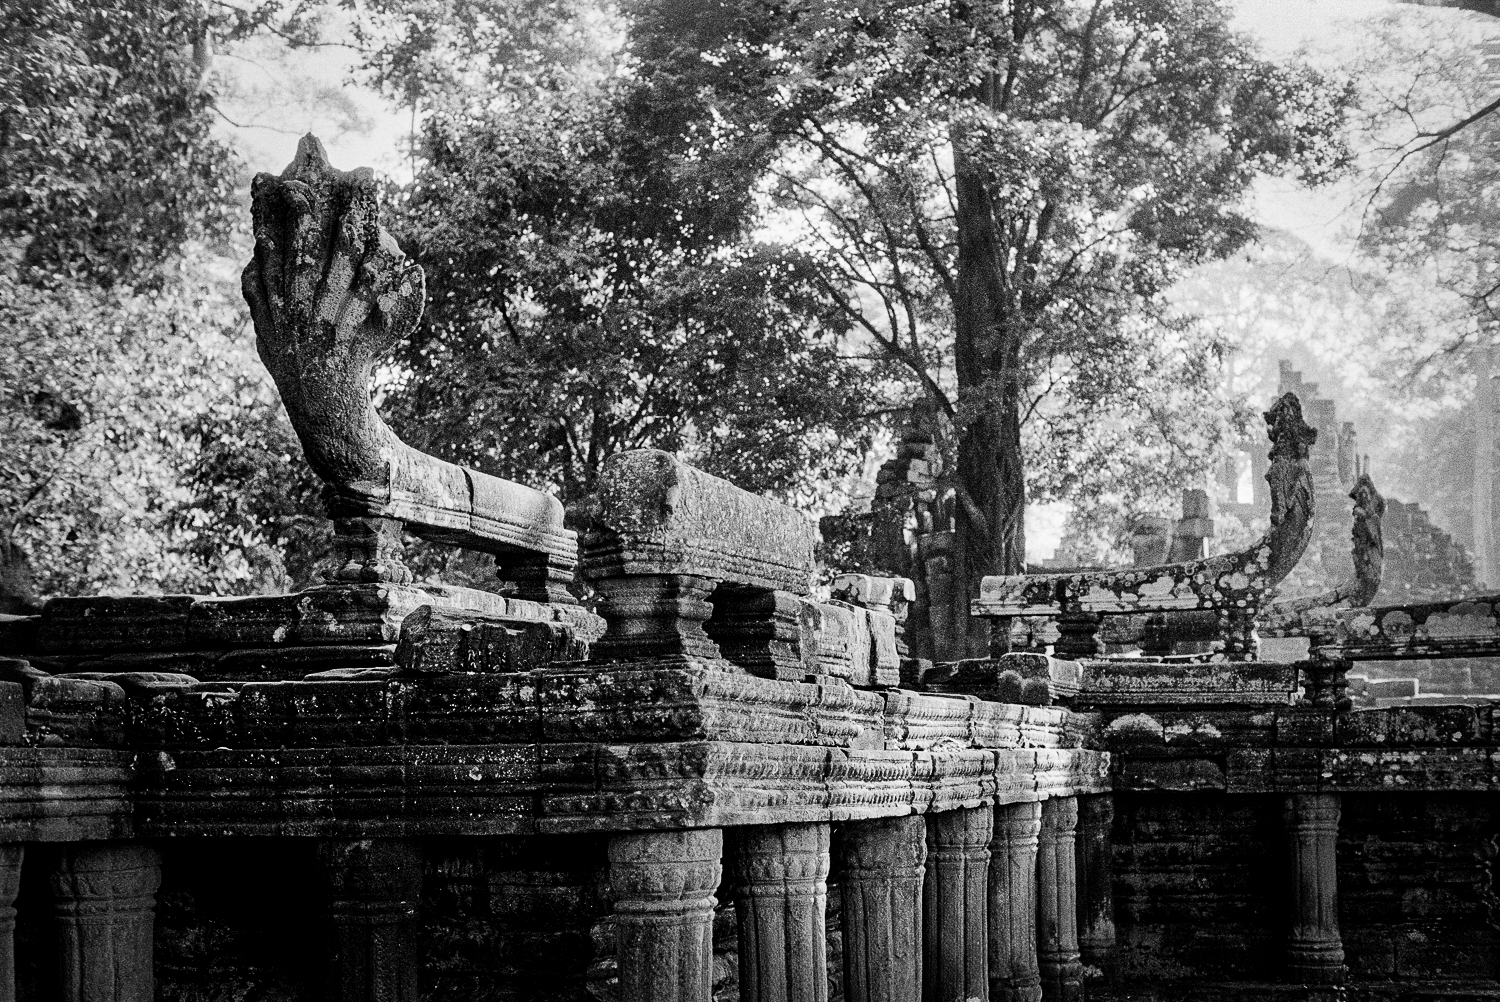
(713, 784)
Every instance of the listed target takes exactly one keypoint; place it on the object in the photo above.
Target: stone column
(1057, 900)
(1014, 976)
(780, 877)
(664, 884)
(375, 886)
(955, 930)
(10, 885)
(882, 891)
(104, 903)
(1096, 899)
(1315, 954)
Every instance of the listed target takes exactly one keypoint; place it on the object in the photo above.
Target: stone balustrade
(714, 748)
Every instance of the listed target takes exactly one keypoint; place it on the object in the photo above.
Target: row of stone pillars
(1006, 904)
(970, 904)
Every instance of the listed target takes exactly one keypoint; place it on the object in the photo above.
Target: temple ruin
(711, 784)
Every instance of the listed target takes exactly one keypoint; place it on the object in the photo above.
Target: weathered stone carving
(1057, 902)
(1014, 975)
(659, 536)
(1288, 619)
(104, 900)
(664, 884)
(1096, 906)
(375, 885)
(955, 905)
(330, 292)
(1315, 953)
(883, 865)
(780, 875)
(1233, 585)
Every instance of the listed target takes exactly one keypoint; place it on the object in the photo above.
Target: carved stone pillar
(654, 616)
(104, 903)
(1315, 953)
(375, 886)
(781, 898)
(955, 929)
(1057, 901)
(664, 884)
(1096, 899)
(10, 884)
(1014, 976)
(882, 891)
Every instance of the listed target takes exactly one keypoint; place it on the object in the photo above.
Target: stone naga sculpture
(1288, 619)
(1233, 586)
(330, 293)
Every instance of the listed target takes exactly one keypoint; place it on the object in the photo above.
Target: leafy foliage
(1086, 152)
(596, 294)
(106, 160)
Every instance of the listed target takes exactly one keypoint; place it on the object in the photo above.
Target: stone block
(1062, 678)
(1392, 688)
(463, 643)
(653, 514)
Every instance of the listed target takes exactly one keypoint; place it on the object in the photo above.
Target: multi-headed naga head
(330, 293)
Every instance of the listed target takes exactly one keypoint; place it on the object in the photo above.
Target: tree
(107, 164)
(1002, 192)
(594, 297)
(117, 337)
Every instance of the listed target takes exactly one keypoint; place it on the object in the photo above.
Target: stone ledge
(408, 790)
(334, 615)
(65, 794)
(613, 705)
(1313, 770)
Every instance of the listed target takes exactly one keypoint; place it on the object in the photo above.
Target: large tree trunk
(987, 355)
